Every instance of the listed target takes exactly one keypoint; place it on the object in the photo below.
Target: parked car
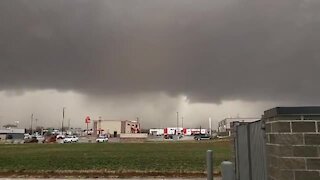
(40, 138)
(50, 139)
(31, 140)
(223, 137)
(202, 137)
(168, 136)
(60, 136)
(27, 136)
(70, 139)
(102, 139)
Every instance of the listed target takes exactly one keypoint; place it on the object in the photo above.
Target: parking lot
(91, 139)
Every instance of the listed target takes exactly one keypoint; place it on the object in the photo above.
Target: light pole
(31, 123)
(177, 123)
(63, 109)
(69, 124)
(137, 129)
(36, 123)
(210, 126)
(100, 119)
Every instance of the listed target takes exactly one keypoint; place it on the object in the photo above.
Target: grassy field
(118, 157)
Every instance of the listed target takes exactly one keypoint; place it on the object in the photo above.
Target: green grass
(158, 157)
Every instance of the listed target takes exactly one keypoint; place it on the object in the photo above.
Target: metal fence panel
(258, 151)
(243, 156)
(250, 160)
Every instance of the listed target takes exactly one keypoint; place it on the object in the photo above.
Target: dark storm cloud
(209, 50)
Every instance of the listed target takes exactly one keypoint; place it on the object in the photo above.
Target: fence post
(236, 149)
(249, 151)
(227, 170)
(209, 165)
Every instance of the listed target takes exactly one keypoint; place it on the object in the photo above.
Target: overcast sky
(152, 58)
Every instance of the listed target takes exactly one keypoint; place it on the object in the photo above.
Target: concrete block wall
(293, 149)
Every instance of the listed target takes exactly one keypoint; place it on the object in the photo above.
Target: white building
(115, 127)
(180, 130)
(13, 133)
(224, 126)
(156, 132)
(173, 130)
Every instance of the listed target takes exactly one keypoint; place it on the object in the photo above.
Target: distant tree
(10, 126)
(28, 131)
(65, 129)
(9, 136)
(48, 133)
(39, 129)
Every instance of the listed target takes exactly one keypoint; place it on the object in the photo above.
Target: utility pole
(99, 129)
(138, 128)
(210, 126)
(69, 124)
(31, 123)
(62, 119)
(177, 123)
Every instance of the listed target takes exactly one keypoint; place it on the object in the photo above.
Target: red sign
(88, 119)
(165, 130)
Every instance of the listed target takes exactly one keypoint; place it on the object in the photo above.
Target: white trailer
(156, 132)
(173, 130)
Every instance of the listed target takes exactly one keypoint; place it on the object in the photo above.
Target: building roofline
(242, 118)
(118, 120)
(294, 110)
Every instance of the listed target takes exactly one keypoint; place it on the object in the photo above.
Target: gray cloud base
(207, 50)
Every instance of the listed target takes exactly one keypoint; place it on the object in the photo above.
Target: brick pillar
(293, 149)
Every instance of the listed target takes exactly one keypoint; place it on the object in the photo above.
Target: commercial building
(12, 133)
(224, 126)
(283, 145)
(173, 130)
(180, 130)
(156, 132)
(114, 128)
(191, 132)
(292, 143)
